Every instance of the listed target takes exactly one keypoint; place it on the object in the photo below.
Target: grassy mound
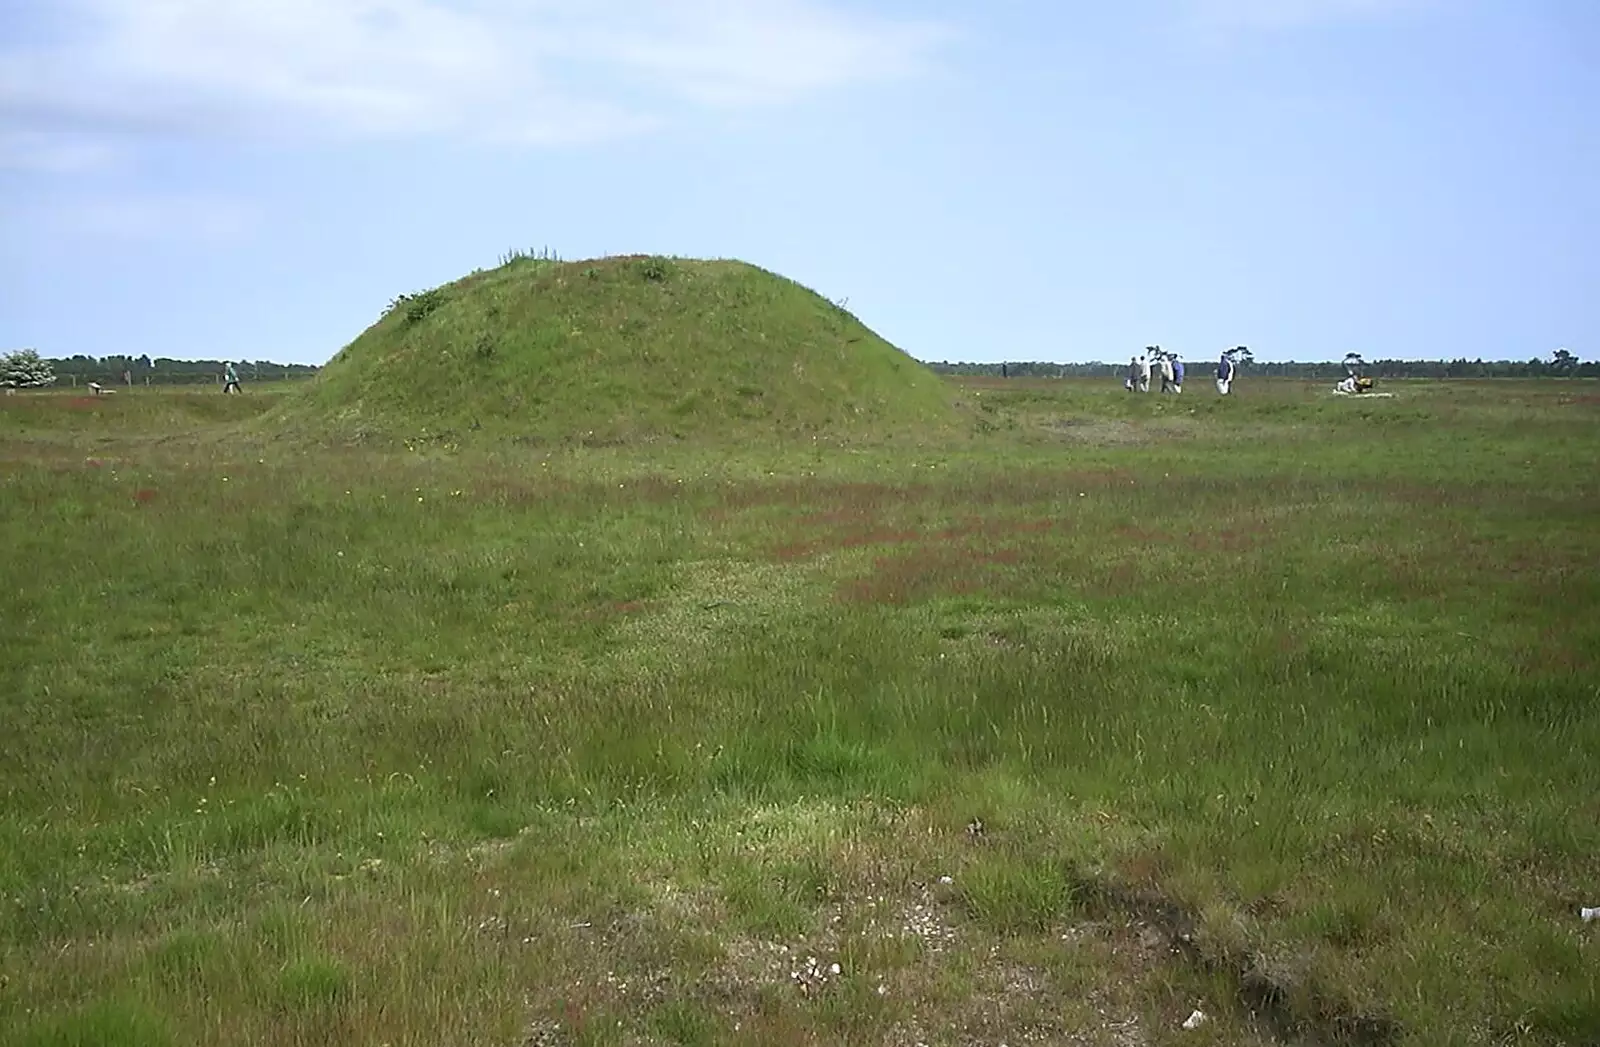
(620, 350)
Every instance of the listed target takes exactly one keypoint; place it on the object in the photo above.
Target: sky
(979, 180)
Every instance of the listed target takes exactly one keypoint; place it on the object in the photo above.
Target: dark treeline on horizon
(1287, 369)
(142, 370)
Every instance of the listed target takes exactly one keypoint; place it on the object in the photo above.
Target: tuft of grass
(185, 960)
(313, 985)
(1014, 894)
(684, 1023)
(107, 1023)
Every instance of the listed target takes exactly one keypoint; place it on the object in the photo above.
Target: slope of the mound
(621, 349)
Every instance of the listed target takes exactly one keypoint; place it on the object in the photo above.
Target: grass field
(1284, 707)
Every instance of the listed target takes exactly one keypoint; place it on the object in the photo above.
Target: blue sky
(1000, 179)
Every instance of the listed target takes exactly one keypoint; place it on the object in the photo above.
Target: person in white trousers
(1224, 374)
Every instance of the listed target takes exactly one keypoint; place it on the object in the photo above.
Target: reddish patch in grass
(1477, 495)
(1559, 657)
(842, 516)
(928, 572)
(860, 536)
(1288, 642)
(831, 516)
(1143, 535)
(615, 609)
(531, 490)
(144, 496)
(978, 527)
(1120, 580)
(651, 490)
(845, 498)
(877, 536)
(846, 540)
(1227, 541)
(1240, 538)
(791, 551)
(829, 502)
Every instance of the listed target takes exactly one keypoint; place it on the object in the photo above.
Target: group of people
(1166, 364)
(1354, 382)
(1170, 368)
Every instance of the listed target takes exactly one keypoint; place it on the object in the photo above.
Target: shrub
(417, 306)
(25, 369)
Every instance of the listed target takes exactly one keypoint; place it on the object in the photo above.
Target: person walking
(1144, 373)
(1166, 373)
(1131, 383)
(230, 379)
(1177, 374)
(1225, 372)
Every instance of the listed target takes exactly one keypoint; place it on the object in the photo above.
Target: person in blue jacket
(1177, 374)
(1225, 373)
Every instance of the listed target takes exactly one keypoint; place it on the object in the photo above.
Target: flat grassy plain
(1283, 707)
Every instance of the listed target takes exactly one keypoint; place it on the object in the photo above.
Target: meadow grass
(1282, 706)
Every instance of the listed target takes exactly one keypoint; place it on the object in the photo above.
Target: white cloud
(542, 71)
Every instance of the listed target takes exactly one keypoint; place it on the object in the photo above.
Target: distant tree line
(1559, 367)
(142, 370)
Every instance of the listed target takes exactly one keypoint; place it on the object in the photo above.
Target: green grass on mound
(618, 350)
